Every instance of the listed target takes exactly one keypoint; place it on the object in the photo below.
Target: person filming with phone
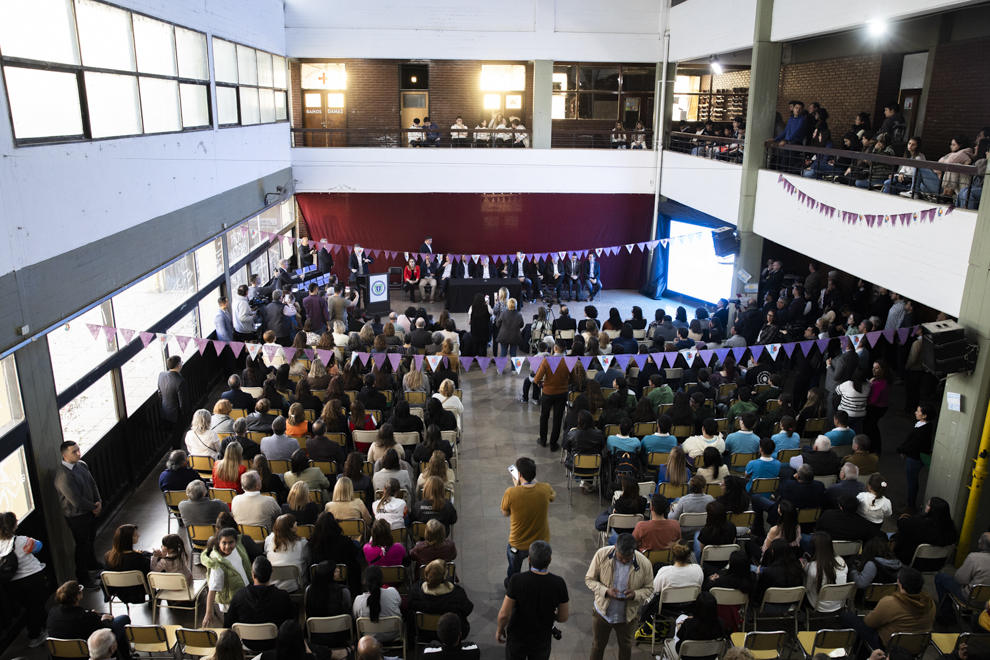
(621, 578)
(527, 506)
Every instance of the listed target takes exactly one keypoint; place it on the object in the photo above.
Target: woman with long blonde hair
(435, 545)
(415, 382)
(436, 467)
(449, 401)
(344, 506)
(300, 504)
(227, 472)
(284, 547)
(675, 472)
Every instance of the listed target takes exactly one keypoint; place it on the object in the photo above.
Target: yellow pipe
(980, 471)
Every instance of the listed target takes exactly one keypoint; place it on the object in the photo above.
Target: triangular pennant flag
(418, 359)
(500, 363)
(289, 353)
(857, 340)
(218, 345)
(434, 361)
(756, 351)
(483, 362)
(512, 258)
(888, 335)
(554, 362)
(623, 361)
(364, 358)
(535, 361)
(806, 346)
(146, 338)
(374, 254)
(110, 331)
(95, 329)
(517, 363)
(789, 348)
(598, 251)
(844, 342)
(642, 246)
(128, 335)
(475, 257)
(252, 349)
(606, 360)
(354, 357)
(902, 334)
(270, 350)
(706, 356)
(670, 358)
(165, 338)
(873, 337)
(201, 344)
(324, 355)
(689, 355)
(722, 353)
(630, 246)
(310, 354)
(570, 361)
(585, 361)
(466, 362)
(822, 344)
(236, 347)
(393, 359)
(774, 350)
(738, 353)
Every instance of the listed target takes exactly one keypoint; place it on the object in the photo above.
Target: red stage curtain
(477, 223)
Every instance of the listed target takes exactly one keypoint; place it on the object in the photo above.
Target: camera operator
(533, 601)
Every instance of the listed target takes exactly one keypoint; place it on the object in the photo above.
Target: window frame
(80, 71)
(620, 94)
(258, 86)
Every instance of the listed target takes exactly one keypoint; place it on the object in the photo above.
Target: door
(909, 99)
(335, 111)
(415, 105)
(325, 110)
(314, 117)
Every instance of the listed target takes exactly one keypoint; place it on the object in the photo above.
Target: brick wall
(957, 102)
(844, 86)
(728, 80)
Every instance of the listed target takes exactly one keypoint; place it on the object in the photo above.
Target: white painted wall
(913, 70)
(926, 262)
(57, 198)
(796, 20)
(563, 30)
(704, 27)
(470, 170)
(711, 186)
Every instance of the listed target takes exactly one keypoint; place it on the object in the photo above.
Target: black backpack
(8, 563)
(626, 464)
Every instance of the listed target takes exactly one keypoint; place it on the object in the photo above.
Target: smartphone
(486, 298)
(347, 289)
(514, 472)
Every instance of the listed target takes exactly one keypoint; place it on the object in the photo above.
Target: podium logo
(378, 288)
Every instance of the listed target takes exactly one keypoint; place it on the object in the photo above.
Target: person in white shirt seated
(619, 136)
(416, 137)
(519, 140)
(502, 139)
(639, 137)
(482, 138)
(284, 547)
(484, 270)
(458, 134)
(449, 400)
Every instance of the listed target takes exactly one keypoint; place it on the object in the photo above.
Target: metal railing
(932, 181)
(716, 147)
(467, 138)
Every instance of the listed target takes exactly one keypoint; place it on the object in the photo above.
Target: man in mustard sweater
(909, 609)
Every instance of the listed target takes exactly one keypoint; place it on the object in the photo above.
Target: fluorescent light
(876, 27)
(716, 66)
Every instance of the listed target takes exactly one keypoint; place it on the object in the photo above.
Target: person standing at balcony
(81, 504)
(572, 277)
(894, 125)
(796, 132)
(592, 276)
(458, 134)
(243, 315)
(174, 393)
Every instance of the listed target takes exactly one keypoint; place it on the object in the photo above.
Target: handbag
(8, 563)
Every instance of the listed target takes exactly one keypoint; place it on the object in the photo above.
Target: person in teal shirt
(744, 441)
(661, 441)
(623, 441)
(661, 394)
(764, 467)
(787, 438)
(841, 435)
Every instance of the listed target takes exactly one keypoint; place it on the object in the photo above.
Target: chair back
(238, 413)
(718, 553)
(808, 516)
(309, 415)
(587, 464)
(846, 548)
(827, 479)
(815, 426)
(418, 530)
(697, 648)
(611, 429)
(354, 529)
(173, 497)
(692, 519)
(328, 468)
(119, 579)
(671, 491)
(386, 624)
(764, 485)
(319, 394)
(979, 593)
(305, 531)
(725, 596)
(364, 437)
(643, 429)
(773, 404)
(742, 518)
(715, 490)
(765, 641)
(682, 431)
(147, 639)
(928, 551)
(418, 398)
(255, 392)
(657, 458)
(607, 392)
(742, 459)
(284, 572)
(658, 556)
(639, 334)
(256, 631)
(280, 467)
(394, 574)
(646, 489)
(783, 596)
(408, 438)
(198, 639)
(624, 520)
(836, 593)
(67, 648)
(675, 373)
(351, 394)
(339, 438)
(875, 592)
(680, 594)
(257, 533)
(864, 478)
(325, 625)
(427, 622)
(225, 495)
(199, 535)
(785, 455)
(726, 389)
(376, 415)
(203, 465)
(914, 643)
(257, 436)
(368, 468)
(565, 334)
(723, 424)
(399, 535)
(831, 638)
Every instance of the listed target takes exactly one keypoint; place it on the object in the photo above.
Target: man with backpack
(624, 450)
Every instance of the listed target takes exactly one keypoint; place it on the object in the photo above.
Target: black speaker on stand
(726, 242)
(945, 349)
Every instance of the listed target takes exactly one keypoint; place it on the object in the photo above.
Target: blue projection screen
(693, 269)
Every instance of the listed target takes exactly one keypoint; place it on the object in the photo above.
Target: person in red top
(227, 472)
(554, 384)
(360, 421)
(410, 278)
(658, 532)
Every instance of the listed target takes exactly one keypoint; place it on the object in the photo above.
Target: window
(238, 244)
(140, 375)
(15, 494)
(145, 303)
(74, 350)
(259, 267)
(239, 278)
(274, 256)
(124, 74)
(251, 85)
(208, 309)
(90, 415)
(209, 263)
(503, 77)
(606, 92)
(287, 212)
(11, 411)
(188, 326)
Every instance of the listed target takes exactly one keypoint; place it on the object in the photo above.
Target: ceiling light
(716, 67)
(413, 78)
(876, 28)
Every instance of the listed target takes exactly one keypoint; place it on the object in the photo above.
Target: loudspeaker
(945, 350)
(726, 242)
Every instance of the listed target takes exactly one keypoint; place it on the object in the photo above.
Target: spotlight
(716, 66)
(876, 27)
(414, 78)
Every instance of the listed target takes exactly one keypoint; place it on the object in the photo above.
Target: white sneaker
(38, 641)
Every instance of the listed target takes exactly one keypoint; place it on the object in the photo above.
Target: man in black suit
(260, 602)
(324, 261)
(261, 419)
(421, 337)
(564, 322)
(773, 279)
(553, 274)
(237, 397)
(174, 392)
(572, 278)
(427, 246)
(517, 270)
(358, 264)
(285, 278)
(464, 269)
(305, 252)
(277, 321)
(751, 321)
(591, 274)
(484, 269)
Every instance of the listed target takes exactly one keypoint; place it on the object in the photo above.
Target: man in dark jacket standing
(277, 321)
(174, 393)
(79, 498)
(260, 603)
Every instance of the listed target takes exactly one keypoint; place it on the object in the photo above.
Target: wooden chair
(120, 579)
(418, 531)
(225, 495)
(875, 592)
(170, 590)
(978, 596)
(196, 642)
(257, 436)
(587, 467)
(329, 468)
(773, 404)
(203, 465)
(723, 424)
(238, 413)
(732, 598)
(827, 641)
(611, 429)
(172, 499)
(742, 519)
(257, 533)
(339, 438)
(763, 645)
(808, 516)
(280, 467)
(352, 394)
(66, 648)
(354, 529)
(309, 415)
(726, 389)
(149, 641)
(319, 394)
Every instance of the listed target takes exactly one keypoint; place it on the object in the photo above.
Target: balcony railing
(706, 146)
(942, 183)
(468, 138)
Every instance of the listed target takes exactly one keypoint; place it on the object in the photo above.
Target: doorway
(325, 109)
(909, 100)
(414, 96)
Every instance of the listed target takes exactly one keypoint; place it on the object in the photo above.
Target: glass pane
(278, 66)
(288, 213)
(564, 78)
(224, 61)
(208, 309)
(638, 79)
(145, 303)
(259, 267)
(195, 105)
(250, 112)
(75, 352)
(160, 105)
(267, 98)
(209, 262)
(274, 256)
(186, 327)
(268, 220)
(247, 66)
(595, 78)
(287, 250)
(280, 111)
(191, 50)
(18, 498)
(598, 106)
(254, 227)
(264, 69)
(226, 105)
(43, 103)
(105, 36)
(50, 40)
(113, 103)
(90, 415)
(239, 278)
(237, 245)
(11, 411)
(140, 376)
(155, 46)
(564, 106)
(503, 77)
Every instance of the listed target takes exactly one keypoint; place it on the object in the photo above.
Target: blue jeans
(892, 186)
(912, 468)
(515, 561)
(818, 170)
(945, 583)
(868, 183)
(507, 349)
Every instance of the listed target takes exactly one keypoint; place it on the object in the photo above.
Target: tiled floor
(497, 430)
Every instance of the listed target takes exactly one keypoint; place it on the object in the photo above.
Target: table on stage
(460, 293)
